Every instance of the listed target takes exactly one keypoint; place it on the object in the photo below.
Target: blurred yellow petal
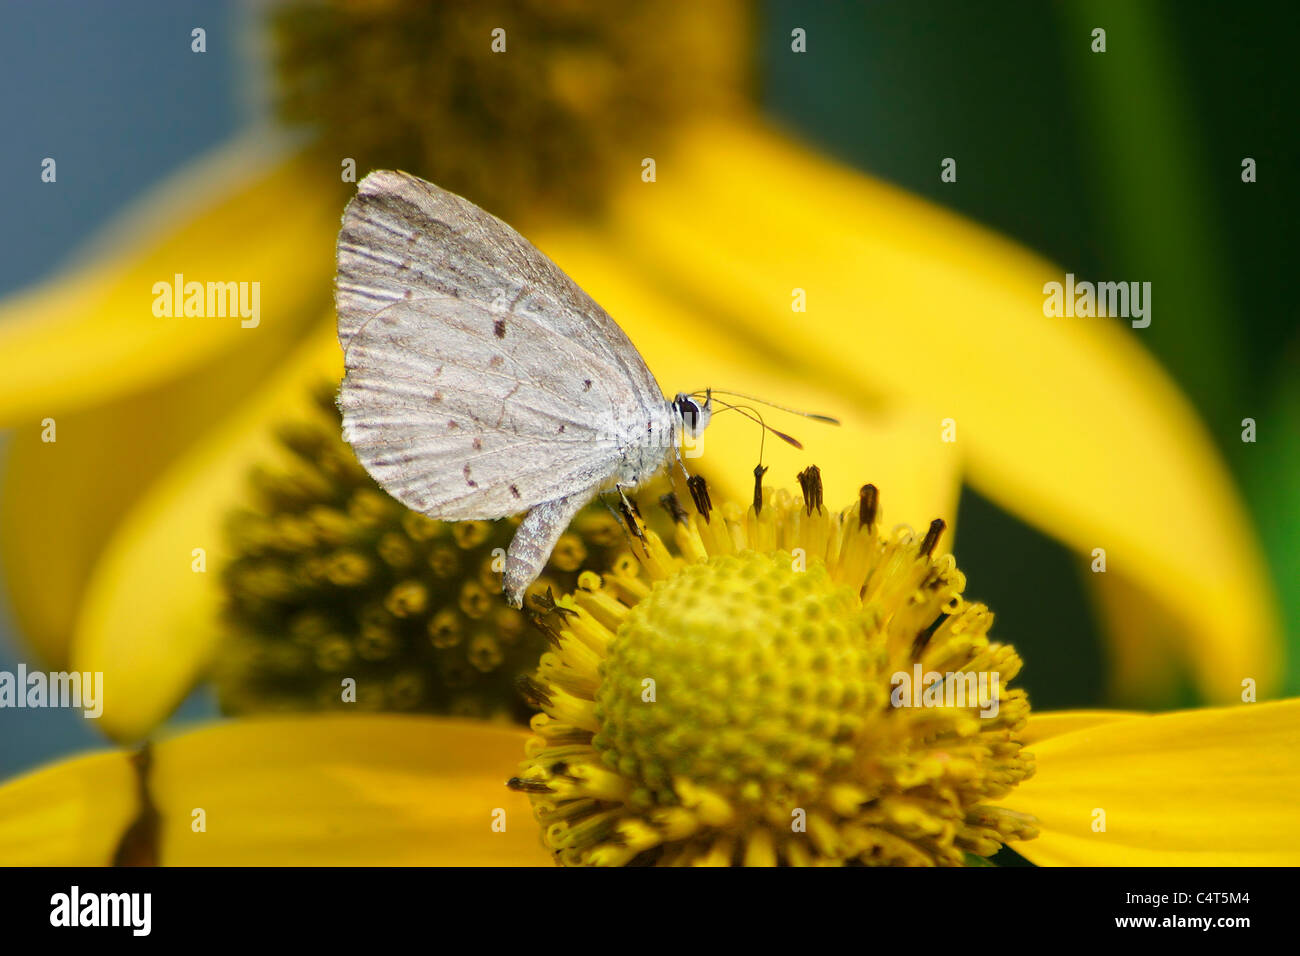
(149, 620)
(1147, 665)
(62, 501)
(688, 347)
(88, 334)
(71, 813)
(344, 791)
(1066, 423)
(365, 790)
(164, 383)
(1213, 787)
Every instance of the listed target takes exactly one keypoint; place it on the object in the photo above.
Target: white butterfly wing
(406, 238)
(460, 411)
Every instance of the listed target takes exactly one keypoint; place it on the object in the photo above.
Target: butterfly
(481, 381)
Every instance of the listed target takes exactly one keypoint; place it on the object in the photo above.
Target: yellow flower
(751, 723)
(914, 317)
(752, 701)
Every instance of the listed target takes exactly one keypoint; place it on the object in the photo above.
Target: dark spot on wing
(514, 491)
(478, 444)
(437, 396)
(469, 481)
(495, 361)
(451, 425)
(586, 385)
(408, 294)
(561, 428)
(499, 327)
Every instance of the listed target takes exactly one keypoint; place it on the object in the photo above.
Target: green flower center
(742, 675)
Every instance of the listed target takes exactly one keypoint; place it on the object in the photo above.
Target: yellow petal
(164, 382)
(244, 214)
(345, 791)
(1147, 661)
(149, 620)
(365, 790)
(69, 814)
(61, 502)
(1066, 423)
(1056, 723)
(1213, 787)
(688, 347)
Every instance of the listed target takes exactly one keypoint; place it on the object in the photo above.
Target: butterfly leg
(534, 540)
(630, 513)
(681, 463)
(629, 504)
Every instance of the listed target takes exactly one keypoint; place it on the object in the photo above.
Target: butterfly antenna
(784, 408)
(754, 416)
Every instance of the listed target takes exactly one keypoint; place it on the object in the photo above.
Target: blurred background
(1128, 171)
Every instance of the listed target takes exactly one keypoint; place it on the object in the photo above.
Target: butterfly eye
(689, 410)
